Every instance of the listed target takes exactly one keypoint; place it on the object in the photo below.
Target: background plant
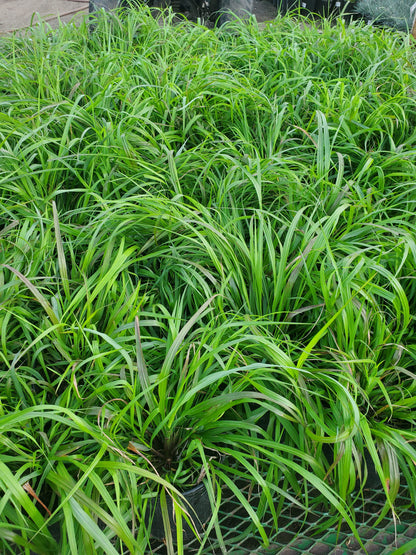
(397, 14)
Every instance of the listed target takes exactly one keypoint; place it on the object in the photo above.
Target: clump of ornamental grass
(207, 246)
(109, 379)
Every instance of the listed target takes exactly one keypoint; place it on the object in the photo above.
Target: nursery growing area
(207, 253)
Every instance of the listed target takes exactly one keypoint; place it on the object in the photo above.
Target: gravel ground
(17, 14)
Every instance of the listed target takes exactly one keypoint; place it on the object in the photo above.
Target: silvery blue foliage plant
(398, 14)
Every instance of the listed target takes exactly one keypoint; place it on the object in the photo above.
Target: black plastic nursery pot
(372, 479)
(284, 6)
(196, 503)
(321, 7)
(210, 12)
(328, 7)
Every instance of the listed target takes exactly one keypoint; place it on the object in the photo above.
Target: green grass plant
(207, 249)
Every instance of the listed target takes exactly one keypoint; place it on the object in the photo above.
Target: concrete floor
(17, 14)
